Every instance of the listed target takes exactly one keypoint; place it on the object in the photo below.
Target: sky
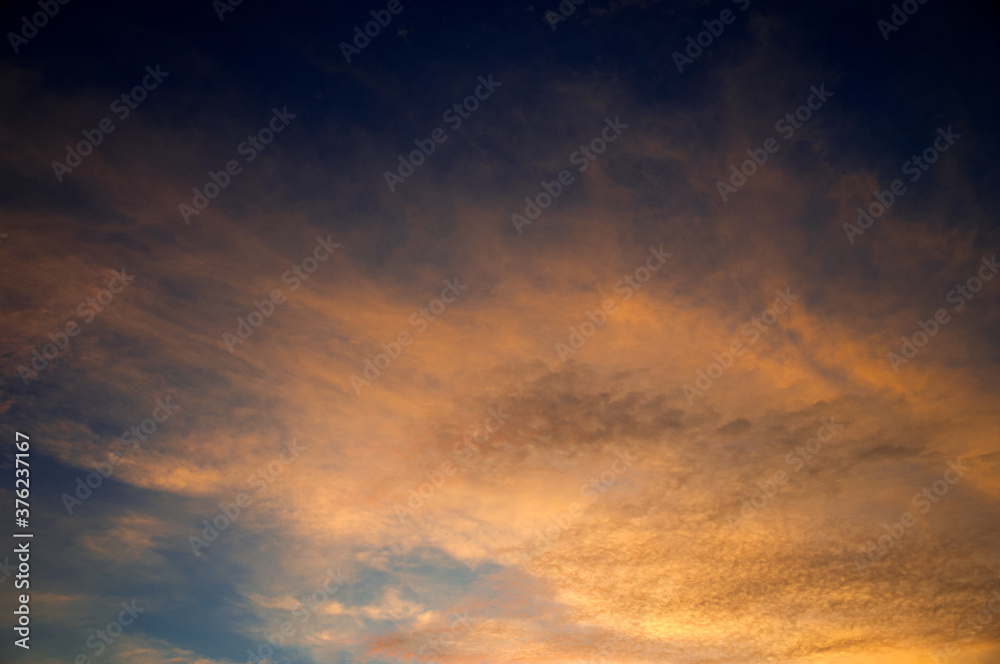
(552, 333)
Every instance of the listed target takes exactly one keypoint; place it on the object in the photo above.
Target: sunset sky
(623, 332)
